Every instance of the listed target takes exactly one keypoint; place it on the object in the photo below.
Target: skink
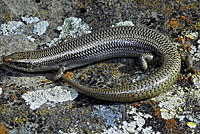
(126, 41)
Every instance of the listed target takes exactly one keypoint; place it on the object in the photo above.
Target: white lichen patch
(195, 92)
(136, 126)
(171, 104)
(61, 132)
(198, 43)
(71, 28)
(124, 23)
(74, 27)
(11, 28)
(30, 20)
(193, 50)
(57, 94)
(191, 117)
(140, 77)
(1, 90)
(17, 27)
(31, 38)
(41, 27)
(197, 54)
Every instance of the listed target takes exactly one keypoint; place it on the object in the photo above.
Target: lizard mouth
(8, 61)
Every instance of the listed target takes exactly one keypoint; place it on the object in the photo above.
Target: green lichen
(196, 25)
(3, 108)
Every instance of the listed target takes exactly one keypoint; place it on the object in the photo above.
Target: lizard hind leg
(58, 74)
(144, 59)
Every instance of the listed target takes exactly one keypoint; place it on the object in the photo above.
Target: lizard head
(18, 60)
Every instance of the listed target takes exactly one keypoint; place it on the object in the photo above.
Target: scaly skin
(105, 44)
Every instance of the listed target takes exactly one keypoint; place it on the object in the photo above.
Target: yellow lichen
(173, 23)
(191, 124)
(182, 18)
(86, 110)
(3, 108)
(69, 75)
(194, 5)
(83, 76)
(180, 109)
(104, 72)
(180, 2)
(137, 104)
(3, 129)
(44, 112)
(184, 8)
(196, 26)
(14, 97)
(7, 17)
(69, 106)
(114, 72)
(19, 120)
(80, 5)
(180, 39)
